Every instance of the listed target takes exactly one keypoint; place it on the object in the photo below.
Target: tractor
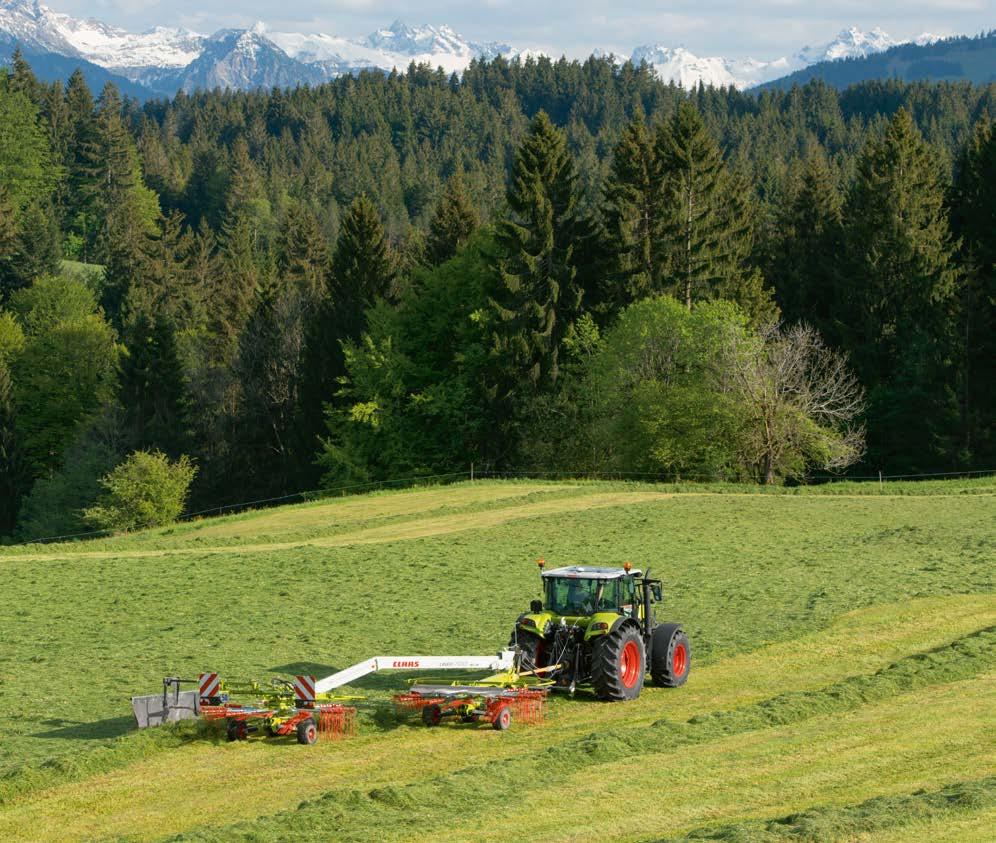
(596, 626)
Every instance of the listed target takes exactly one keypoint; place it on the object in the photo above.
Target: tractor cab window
(570, 596)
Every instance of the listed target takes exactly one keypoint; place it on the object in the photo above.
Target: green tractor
(596, 626)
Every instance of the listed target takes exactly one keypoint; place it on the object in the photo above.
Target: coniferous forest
(547, 266)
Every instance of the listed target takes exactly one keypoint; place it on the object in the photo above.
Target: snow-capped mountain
(164, 60)
(386, 49)
(34, 25)
(688, 70)
(244, 59)
(853, 43)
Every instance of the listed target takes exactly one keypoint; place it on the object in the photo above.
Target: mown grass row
(828, 823)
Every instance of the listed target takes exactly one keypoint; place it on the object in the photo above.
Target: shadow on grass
(110, 727)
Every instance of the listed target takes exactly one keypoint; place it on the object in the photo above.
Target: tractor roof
(590, 572)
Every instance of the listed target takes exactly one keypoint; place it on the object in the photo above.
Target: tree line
(540, 265)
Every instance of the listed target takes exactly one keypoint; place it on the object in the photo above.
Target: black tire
(531, 650)
(503, 718)
(307, 732)
(619, 664)
(238, 730)
(432, 714)
(671, 660)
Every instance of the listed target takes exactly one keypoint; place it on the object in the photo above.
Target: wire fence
(505, 474)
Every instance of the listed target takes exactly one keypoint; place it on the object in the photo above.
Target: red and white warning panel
(304, 689)
(210, 685)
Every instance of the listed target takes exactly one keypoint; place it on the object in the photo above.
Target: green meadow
(842, 686)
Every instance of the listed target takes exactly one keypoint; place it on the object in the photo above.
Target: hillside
(951, 60)
(844, 665)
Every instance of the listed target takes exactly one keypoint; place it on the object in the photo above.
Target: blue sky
(760, 28)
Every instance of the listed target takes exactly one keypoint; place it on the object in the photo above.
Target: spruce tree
(37, 251)
(23, 80)
(302, 251)
(974, 219)
(631, 212)
(454, 221)
(362, 268)
(82, 166)
(808, 248)
(362, 272)
(706, 231)
(152, 389)
(538, 296)
(900, 295)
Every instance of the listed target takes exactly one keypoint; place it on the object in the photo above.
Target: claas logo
(405, 663)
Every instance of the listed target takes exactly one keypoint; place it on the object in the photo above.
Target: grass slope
(844, 667)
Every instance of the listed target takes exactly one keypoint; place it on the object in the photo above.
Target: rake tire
(307, 732)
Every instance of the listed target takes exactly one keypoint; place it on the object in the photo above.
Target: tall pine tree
(152, 388)
(631, 213)
(809, 242)
(538, 296)
(362, 272)
(975, 221)
(706, 229)
(899, 300)
(454, 221)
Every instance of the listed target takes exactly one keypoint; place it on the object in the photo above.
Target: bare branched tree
(801, 401)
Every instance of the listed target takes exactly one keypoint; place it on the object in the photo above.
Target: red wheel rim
(312, 734)
(629, 664)
(679, 661)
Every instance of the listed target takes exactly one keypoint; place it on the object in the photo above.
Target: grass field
(843, 681)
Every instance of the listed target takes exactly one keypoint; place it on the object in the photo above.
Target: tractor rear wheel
(307, 732)
(672, 656)
(618, 664)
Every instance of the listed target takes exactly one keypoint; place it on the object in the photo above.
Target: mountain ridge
(164, 60)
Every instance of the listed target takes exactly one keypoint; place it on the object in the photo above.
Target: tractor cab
(581, 591)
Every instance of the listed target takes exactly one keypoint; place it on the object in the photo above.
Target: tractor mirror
(656, 589)
(536, 606)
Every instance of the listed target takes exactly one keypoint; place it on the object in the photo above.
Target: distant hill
(52, 67)
(960, 59)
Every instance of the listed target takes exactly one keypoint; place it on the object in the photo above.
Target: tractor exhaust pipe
(648, 625)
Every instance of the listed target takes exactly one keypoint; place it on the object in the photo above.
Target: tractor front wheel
(672, 656)
(531, 650)
(618, 664)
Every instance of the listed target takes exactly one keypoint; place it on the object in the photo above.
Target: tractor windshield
(572, 596)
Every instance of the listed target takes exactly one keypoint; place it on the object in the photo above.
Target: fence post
(471, 472)
(880, 478)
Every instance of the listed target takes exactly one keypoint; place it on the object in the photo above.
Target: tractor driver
(579, 598)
